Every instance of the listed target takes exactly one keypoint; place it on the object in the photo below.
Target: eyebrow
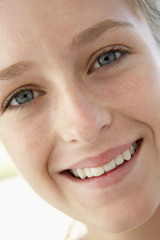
(86, 36)
(95, 31)
(16, 70)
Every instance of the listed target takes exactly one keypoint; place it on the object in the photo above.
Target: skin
(83, 113)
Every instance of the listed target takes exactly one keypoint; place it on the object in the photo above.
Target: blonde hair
(151, 11)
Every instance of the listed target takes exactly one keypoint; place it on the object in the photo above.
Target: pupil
(107, 58)
(24, 97)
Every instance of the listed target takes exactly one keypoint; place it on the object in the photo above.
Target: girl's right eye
(23, 97)
(20, 98)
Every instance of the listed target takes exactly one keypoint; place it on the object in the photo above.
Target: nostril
(73, 141)
(105, 126)
(84, 121)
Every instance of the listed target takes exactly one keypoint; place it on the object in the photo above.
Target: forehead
(30, 24)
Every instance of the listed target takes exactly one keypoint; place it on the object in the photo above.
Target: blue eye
(23, 97)
(106, 59)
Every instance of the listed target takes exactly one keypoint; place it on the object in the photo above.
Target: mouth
(118, 161)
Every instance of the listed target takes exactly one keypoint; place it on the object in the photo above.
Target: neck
(149, 230)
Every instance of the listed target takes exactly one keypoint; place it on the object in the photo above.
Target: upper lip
(101, 158)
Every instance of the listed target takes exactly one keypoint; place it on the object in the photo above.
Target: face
(86, 87)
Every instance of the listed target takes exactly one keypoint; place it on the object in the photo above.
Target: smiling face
(86, 87)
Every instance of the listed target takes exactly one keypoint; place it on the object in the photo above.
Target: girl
(80, 109)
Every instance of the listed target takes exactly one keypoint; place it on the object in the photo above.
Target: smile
(120, 159)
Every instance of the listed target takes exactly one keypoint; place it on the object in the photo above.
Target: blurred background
(24, 215)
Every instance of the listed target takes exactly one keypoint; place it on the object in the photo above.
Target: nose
(81, 118)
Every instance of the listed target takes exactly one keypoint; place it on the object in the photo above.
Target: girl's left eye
(106, 59)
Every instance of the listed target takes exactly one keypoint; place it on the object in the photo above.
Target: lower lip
(115, 176)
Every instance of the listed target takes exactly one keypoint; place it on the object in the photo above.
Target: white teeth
(98, 171)
(126, 155)
(109, 166)
(81, 173)
(75, 173)
(88, 172)
(119, 159)
(132, 150)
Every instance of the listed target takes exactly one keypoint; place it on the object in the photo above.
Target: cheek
(136, 94)
(141, 101)
(30, 146)
(28, 143)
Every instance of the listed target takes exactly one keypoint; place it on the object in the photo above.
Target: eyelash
(122, 50)
(6, 104)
